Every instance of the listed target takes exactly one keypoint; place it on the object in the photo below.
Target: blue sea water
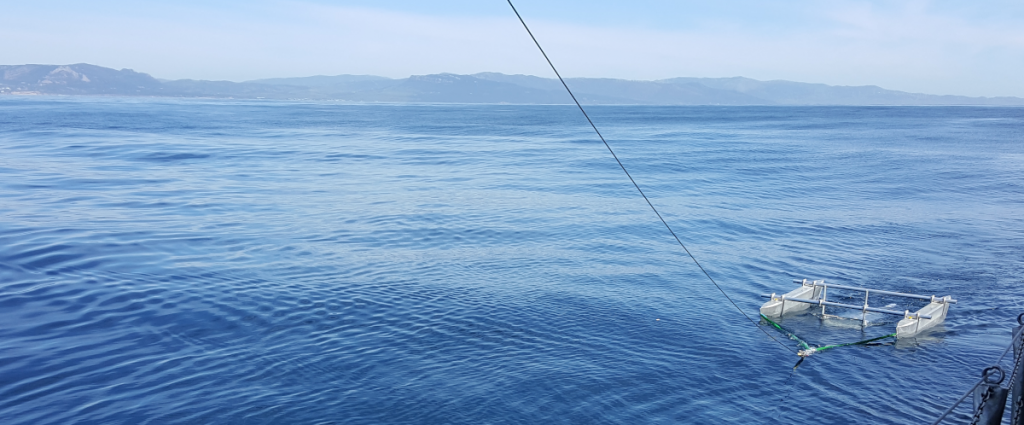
(228, 262)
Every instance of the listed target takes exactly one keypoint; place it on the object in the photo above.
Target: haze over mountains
(85, 79)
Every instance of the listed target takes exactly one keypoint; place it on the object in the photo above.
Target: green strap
(855, 343)
(806, 346)
(788, 333)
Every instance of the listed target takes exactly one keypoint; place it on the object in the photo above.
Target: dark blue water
(224, 262)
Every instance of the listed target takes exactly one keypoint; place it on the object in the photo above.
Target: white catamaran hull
(776, 308)
(912, 326)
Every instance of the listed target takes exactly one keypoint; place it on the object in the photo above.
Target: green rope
(806, 346)
(788, 333)
(855, 343)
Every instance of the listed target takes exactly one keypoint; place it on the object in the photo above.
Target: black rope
(634, 181)
(781, 402)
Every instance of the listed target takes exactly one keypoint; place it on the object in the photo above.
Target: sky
(972, 48)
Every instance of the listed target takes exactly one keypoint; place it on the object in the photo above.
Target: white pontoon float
(813, 293)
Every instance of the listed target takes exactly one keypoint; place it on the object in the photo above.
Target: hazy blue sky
(939, 47)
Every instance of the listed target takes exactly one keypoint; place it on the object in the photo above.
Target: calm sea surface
(166, 261)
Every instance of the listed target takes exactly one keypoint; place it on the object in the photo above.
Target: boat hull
(912, 326)
(779, 307)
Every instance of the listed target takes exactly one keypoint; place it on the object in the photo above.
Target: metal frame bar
(931, 298)
(864, 308)
(824, 296)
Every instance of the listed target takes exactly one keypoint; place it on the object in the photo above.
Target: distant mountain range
(85, 79)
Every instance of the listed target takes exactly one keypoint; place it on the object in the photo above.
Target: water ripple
(166, 261)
